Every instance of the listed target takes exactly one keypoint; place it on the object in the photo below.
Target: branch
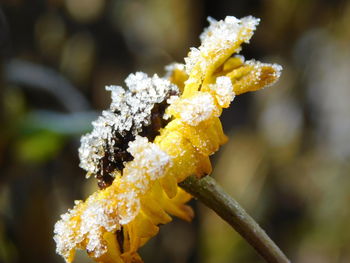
(212, 195)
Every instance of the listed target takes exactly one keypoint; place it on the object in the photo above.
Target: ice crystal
(149, 163)
(129, 113)
(224, 91)
(196, 109)
(220, 35)
(258, 67)
(96, 218)
(106, 210)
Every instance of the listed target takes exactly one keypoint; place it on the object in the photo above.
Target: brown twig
(212, 195)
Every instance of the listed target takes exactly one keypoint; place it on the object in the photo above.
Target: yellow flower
(168, 131)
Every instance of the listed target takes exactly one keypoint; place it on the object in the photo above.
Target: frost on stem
(138, 110)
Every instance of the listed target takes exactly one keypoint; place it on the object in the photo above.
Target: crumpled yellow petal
(253, 75)
(155, 209)
(219, 41)
(186, 159)
(113, 254)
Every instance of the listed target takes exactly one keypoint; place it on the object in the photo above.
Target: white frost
(197, 108)
(130, 110)
(224, 91)
(220, 35)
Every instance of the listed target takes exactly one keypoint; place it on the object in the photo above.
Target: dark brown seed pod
(137, 111)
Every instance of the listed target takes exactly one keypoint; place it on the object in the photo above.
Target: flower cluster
(155, 134)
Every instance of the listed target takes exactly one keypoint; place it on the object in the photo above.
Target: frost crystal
(224, 91)
(149, 160)
(106, 210)
(221, 35)
(104, 149)
(194, 57)
(197, 108)
(257, 65)
(149, 164)
(95, 219)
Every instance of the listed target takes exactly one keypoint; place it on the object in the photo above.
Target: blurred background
(287, 160)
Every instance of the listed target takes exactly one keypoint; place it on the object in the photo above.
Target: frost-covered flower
(155, 134)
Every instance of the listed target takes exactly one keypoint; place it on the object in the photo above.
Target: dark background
(287, 160)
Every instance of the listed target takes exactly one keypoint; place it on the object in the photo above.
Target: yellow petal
(232, 63)
(113, 254)
(219, 41)
(169, 184)
(174, 206)
(154, 211)
(206, 137)
(140, 230)
(254, 75)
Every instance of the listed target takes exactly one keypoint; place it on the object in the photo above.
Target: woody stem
(213, 195)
